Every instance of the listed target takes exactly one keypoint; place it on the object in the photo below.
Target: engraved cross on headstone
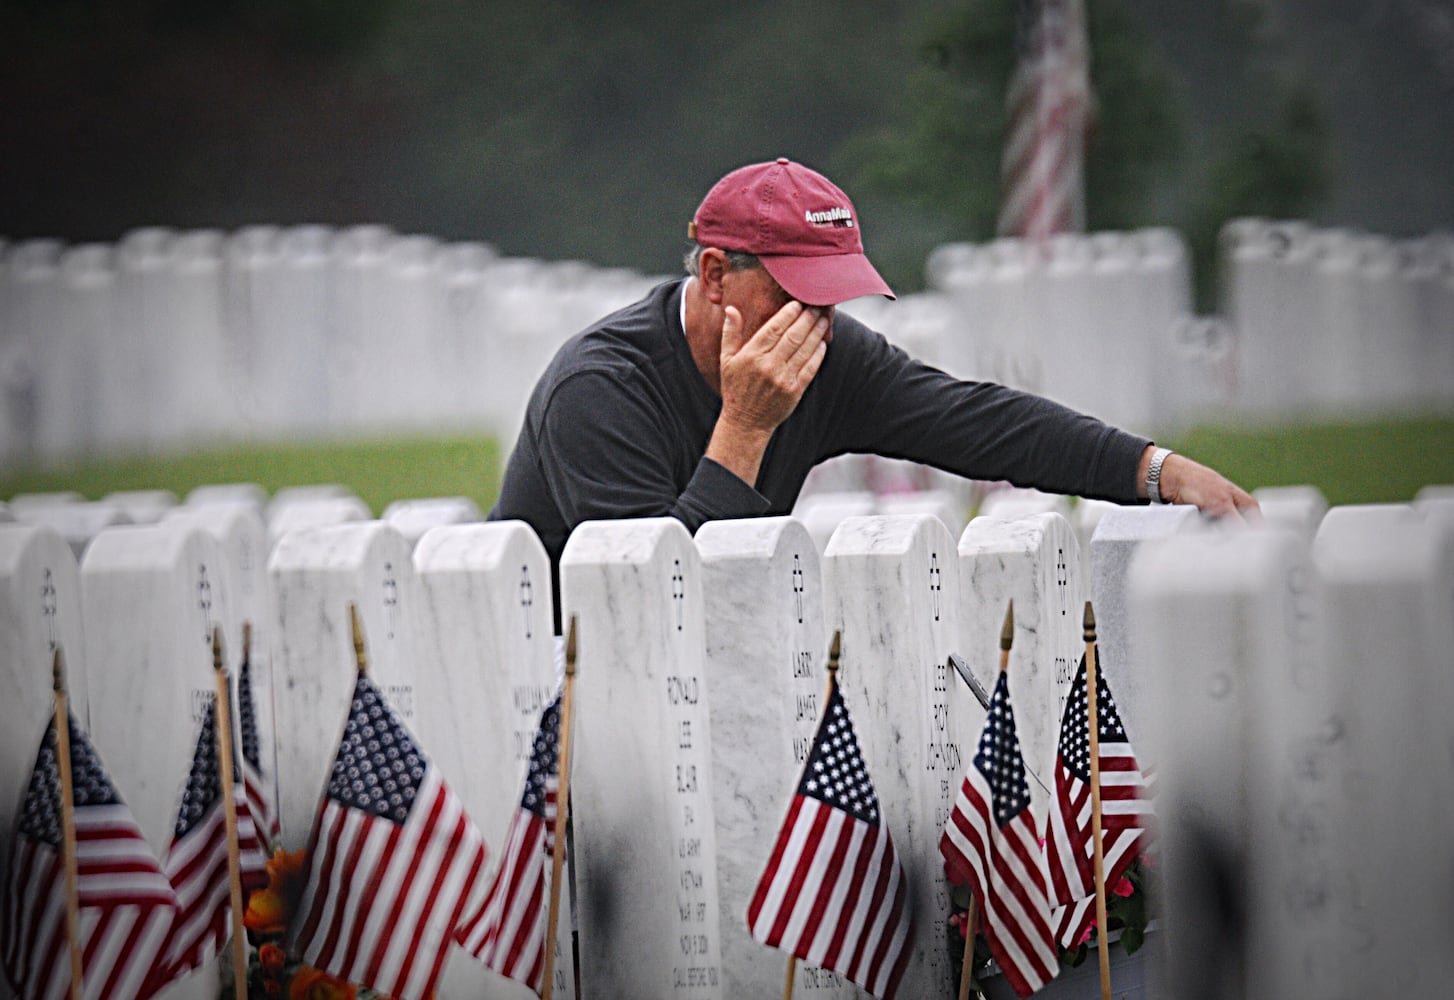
(1062, 580)
(527, 597)
(391, 597)
(204, 601)
(678, 589)
(48, 607)
(936, 583)
(798, 586)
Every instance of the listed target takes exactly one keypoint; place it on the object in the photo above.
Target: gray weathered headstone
(763, 590)
(485, 615)
(641, 794)
(316, 574)
(891, 586)
(151, 596)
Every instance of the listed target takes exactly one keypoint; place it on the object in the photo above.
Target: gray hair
(736, 260)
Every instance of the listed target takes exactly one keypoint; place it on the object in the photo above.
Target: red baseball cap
(798, 223)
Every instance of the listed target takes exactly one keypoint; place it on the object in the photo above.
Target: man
(714, 396)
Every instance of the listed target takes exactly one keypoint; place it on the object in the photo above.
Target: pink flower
(1123, 888)
(1085, 937)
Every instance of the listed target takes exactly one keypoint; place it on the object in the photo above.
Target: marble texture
(1246, 746)
(641, 794)
(151, 596)
(1034, 561)
(1112, 548)
(766, 652)
(40, 608)
(315, 575)
(891, 585)
(485, 629)
(1390, 627)
(414, 517)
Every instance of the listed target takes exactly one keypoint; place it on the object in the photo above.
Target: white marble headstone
(763, 589)
(151, 596)
(315, 575)
(1245, 746)
(1112, 547)
(414, 517)
(822, 513)
(1018, 502)
(143, 506)
(485, 615)
(250, 493)
(77, 523)
(1299, 508)
(319, 512)
(641, 795)
(40, 609)
(891, 586)
(940, 503)
(1034, 561)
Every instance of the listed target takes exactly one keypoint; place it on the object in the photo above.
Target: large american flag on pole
(1048, 105)
(990, 842)
(508, 932)
(1125, 807)
(834, 892)
(391, 861)
(259, 787)
(197, 859)
(126, 902)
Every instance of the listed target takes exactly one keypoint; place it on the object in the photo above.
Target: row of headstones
(169, 339)
(175, 338)
(701, 679)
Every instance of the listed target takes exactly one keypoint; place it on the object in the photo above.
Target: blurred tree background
(576, 129)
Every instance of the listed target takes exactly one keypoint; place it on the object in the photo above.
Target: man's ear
(713, 268)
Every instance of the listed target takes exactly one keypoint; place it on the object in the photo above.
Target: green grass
(1366, 462)
(1351, 463)
(377, 471)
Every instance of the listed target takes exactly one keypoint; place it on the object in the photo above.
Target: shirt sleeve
(896, 406)
(606, 453)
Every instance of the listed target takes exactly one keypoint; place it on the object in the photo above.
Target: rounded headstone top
(144, 546)
(475, 547)
(751, 538)
(886, 534)
(307, 246)
(365, 244)
(346, 546)
(631, 540)
(149, 248)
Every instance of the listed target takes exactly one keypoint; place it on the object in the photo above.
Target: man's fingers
(806, 342)
(732, 338)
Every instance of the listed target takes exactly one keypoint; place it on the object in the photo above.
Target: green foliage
(377, 471)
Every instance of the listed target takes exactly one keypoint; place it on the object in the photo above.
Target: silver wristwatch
(1153, 475)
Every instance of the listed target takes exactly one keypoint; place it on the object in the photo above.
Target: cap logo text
(840, 217)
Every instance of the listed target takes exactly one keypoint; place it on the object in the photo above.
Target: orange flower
(272, 959)
(270, 909)
(314, 984)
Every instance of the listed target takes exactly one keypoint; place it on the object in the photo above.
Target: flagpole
(562, 807)
(229, 814)
(1007, 639)
(68, 822)
(1093, 723)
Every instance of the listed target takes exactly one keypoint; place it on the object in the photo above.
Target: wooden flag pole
(562, 809)
(1007, 639)
(229, 814)
(835, 653)
(1092, 682)
(68, 822)
(359, 656)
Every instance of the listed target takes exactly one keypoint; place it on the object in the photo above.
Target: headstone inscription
(1117, 537)
(151, 596)
(1389, 592)
(891, 586)
(40, 611)
(316, 574)
(485, 614)
(1245, 745)
(1034, 561)
(645, 846)
(763, 589)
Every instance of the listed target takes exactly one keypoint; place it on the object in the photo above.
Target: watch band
(1153, 475)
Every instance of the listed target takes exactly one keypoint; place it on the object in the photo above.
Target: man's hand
(763, 377)
(1186, 481)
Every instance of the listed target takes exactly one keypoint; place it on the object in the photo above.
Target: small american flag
(834, 892)
(391, 861)
(259, 788)
(197, 859)
(508, 933)
(1048, 105)
(990, 843)
(126, 902)
(1125, 807)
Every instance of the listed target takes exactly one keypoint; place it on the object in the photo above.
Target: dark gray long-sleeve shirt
(619, 423)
